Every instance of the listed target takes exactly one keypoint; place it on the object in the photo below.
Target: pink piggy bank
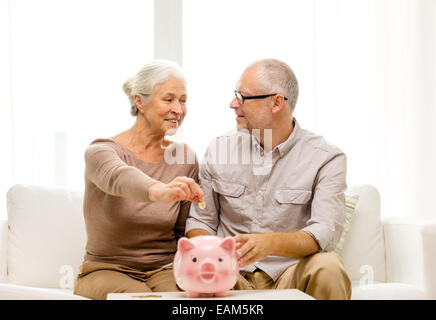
(206, 264)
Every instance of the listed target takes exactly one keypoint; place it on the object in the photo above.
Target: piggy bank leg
(192, 294)
(221, 294)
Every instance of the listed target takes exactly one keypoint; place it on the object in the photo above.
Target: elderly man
(279, 192)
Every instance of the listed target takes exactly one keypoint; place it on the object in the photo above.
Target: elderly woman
(135, 202)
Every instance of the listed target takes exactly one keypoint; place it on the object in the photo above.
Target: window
(69, 61)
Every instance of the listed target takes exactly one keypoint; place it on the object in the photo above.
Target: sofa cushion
(3, 250)
(364, 249)
(387, 291)
(350, 206)
(46, 236)
(16, 292)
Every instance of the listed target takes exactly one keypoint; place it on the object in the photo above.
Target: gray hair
(277, 77)
(145, 81)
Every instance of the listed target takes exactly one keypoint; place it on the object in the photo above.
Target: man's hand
(181, 188)
(252, 247)
(255, 247)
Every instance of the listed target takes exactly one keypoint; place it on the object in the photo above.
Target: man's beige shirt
(300, 185)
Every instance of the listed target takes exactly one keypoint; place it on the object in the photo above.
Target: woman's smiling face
(165, 109)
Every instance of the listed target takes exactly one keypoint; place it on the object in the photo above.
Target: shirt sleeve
(185, 206)
(208, 218)
(112, 175)
(328, 203)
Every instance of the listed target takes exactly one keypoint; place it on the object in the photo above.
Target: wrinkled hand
(251, 248)
(181, 188)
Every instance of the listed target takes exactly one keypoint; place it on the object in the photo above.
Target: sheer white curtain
(406, 106)
(221, 37)
(366, 71)
(68, 62)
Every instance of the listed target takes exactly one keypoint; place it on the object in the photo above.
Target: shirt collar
(286, 145)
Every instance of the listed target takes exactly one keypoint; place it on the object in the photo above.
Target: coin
(202, 205)
(148, 296)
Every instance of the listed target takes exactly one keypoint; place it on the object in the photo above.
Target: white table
(285, 294)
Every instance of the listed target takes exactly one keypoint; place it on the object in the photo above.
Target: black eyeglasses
(241, 98)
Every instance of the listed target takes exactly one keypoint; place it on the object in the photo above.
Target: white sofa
(43, 241)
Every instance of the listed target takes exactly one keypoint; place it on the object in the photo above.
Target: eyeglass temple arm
(261, 96)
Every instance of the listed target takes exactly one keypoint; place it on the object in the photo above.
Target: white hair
(145, 81)
(275, 76)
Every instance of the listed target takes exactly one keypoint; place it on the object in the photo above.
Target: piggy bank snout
(208, 267)
(207, 271)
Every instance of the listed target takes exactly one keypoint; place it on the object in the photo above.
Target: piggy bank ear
(228, 245)
(185, 245)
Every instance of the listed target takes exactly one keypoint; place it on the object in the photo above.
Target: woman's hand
(181, 188)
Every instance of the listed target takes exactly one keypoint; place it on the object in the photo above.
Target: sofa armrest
(3, 249)
(410, 254)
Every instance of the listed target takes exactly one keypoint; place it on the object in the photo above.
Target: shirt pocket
(292, 196)
(230, 195)
(291, 209)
